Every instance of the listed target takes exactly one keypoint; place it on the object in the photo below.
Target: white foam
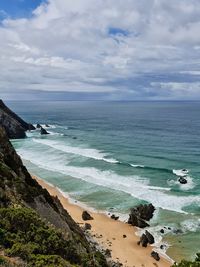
(189, 185)
(191, 225)
(137, 166)
(136, 186)
(84, 152)
(181, 173)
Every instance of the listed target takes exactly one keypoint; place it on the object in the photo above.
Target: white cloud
(66, 46)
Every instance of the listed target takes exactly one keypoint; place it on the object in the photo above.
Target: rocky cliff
(26, 207)
(12, 123)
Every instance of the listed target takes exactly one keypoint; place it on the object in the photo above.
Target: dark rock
(162, 231)
(144, 240)
(140, 214)
(169, 228)
(14, 126)
(149, 237)
(38, 126)
(47, 126)
(114, 217)
(155, 255)
(108, 253)
(86, 216)
(18, 188)
(182, 180)
(138, 243)
(87, 226)
(124, 236)
(43, 131)
(177, 231)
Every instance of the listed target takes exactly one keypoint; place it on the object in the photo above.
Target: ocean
(112, 156)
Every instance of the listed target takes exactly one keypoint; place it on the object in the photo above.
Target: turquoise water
(119, 154)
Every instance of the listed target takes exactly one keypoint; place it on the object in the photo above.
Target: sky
(100, 49)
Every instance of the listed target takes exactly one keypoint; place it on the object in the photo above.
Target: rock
(47, 126)
(86, 216)
(108, 253)
(155, 255)
(124, 236)
(182, 180)
(144, 240)
(177, 231)
(43, 131)
(114, 217)
(14, 126)
(87, 226)
(38, 126)
(149, 237)
(140, 214)
(162, 231)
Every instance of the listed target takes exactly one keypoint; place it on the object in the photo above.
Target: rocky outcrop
(15, 126)
(86, 216)
(43, 131)
(19, 190)
(155, 255)
(140, 214)
(150, 237)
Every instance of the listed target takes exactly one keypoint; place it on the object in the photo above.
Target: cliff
(29, 216)
(15, 126)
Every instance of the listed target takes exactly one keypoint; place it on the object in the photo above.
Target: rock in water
(15, 127)
(38, 126)
(150, 237)
(182, 180)
(46, 125)
(140, 214)
(155, 255)
(43, 131)
(86, 216)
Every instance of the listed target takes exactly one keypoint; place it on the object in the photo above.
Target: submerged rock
(46, 125)
(155, 255)
(86, 216)
(182, 180)
(43, 131)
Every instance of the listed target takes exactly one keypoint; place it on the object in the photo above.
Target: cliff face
(19, 191)
(12, 123)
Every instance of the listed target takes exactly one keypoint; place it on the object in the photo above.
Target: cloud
(125, 49)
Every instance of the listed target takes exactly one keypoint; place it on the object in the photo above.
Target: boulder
(87, 226)
(140, 214)
(155, 255)
(86, 216)
(43, 131)
(144, 240)
(47, 126)
(182, 180)
(38, 126)
(150, 237)
(162, 231)
(114, 217)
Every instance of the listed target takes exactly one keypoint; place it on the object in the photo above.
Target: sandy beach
(109, 234)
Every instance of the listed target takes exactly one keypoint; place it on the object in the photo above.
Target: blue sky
(18, 8)
(95, 49)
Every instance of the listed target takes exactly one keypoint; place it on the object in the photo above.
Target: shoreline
(108, 233)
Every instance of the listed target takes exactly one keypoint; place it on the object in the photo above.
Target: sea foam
(134, 185)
